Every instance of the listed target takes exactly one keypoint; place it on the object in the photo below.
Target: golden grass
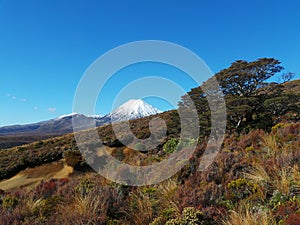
(90, 209)
(32, 176)
(142, 211)
(167, 189)
(261, 178)
(244, 216)
(271, 145)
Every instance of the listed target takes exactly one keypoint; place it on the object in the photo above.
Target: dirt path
(32, 176)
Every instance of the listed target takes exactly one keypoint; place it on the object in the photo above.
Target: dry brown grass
(271, 145)
(244, 216)
(150, 202)
(89, 209)
(168, 190)
(261, 178)
(142, 210)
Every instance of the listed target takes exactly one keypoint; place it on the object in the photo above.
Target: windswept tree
(285, 77)
(244, 78)
(244, 86)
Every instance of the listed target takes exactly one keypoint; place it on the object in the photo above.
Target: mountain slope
(11, 136)
(60, 125)
(132, 109)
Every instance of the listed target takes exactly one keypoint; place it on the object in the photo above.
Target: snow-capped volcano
(133, 109)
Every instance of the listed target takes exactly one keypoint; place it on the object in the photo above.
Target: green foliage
(149, 190)
(85, 187)
(189, 216)
(244, 78)
(171, 145)
(168, 213)
(251, 102)
(10, 202)
(228, 204)
(45, 207)
(250, 149)
(113, 222)
(241, 188)
(278, 126)
(278, 199)
(158, 221)
(282, 104)
(187, 142)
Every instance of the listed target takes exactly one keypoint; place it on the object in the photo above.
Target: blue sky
(46, 46)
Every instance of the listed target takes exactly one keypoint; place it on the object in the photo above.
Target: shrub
(241, 188)
(171, 145)
(113, 222)
(43, 208)
(278, 126)
(10, 202)
(85, 187)
(46, 189)
(38, 144)
(73, 158)
(189, 216)
(158, 221)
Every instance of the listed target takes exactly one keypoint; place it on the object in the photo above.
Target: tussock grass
(245, 216)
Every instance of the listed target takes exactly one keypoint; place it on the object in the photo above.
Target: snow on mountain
(68, 115)
(132, 109)
(94, 116)
(77, 114)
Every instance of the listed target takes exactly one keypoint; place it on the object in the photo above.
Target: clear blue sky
(45, 46)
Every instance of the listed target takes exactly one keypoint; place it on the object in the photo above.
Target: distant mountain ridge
(132, 109)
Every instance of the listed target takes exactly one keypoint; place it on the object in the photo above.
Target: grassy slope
(255, 179)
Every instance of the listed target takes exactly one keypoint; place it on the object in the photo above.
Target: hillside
(255, 178)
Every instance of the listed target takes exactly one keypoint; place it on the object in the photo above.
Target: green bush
(242, 188)
(113, 222)
(189, 216)
(45, 207)
(10, 202)
(171, 145)
(158, 221)
(85, 187)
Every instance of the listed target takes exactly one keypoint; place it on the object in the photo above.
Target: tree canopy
(251, 101)
(244, 78)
